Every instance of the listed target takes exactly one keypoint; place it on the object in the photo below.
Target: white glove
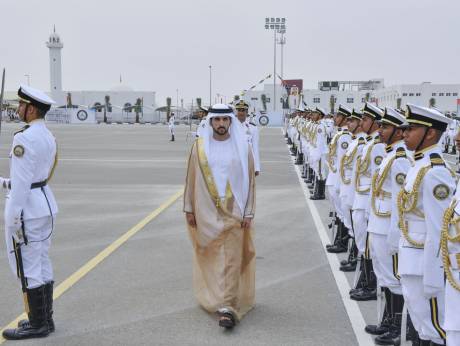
(16, 233)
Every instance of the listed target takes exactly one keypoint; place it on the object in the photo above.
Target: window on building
(411, 94)
(316, 100)
(404, 94)
(455, 94)
(418, 94)
(433, 94)
(254, 98)
(447, 94)
(350, 100)
(441, 94)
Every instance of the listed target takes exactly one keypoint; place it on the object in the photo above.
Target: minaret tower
(55, 45)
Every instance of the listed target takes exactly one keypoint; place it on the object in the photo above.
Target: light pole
(282, 42)
(276, 24)
(177, 102)
(28, 79)
(210, 86)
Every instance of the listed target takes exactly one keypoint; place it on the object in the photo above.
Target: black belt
(39, 185)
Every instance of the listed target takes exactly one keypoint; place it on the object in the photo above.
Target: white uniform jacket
(32, 160)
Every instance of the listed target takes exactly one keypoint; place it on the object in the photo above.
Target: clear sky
(169, 44)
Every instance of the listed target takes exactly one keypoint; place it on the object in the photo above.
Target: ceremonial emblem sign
(18, 151)
(82, 115)
(400, 178)
(378, 160)
(441, 192)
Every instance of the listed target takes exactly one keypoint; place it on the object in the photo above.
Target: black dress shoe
(365, 295)
(374, 329)
(355, 290)
(338, 248)
(350, 267)
(389, 337)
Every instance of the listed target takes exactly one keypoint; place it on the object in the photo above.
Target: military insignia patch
(378, 160)
(441, 192)
(400, 178)
(344, 145)
(18, 151)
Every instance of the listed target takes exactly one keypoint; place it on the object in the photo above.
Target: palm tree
(168, 108)
(69, 100)
(236, 98)
(138, 108)
(332, 104)
(107, 108)
(367, 97)
(198, 102)
(263, 97)
(398, 103)
(107, 103)
(432, 102)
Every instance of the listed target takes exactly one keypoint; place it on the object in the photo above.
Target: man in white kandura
(219, 203)
(252, 133)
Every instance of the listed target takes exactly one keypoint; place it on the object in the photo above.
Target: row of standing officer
(392, 196)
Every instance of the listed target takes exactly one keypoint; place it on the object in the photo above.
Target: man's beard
(220, 133)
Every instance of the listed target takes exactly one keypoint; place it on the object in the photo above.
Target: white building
(116, 104)
(442, 96)
(354, 93)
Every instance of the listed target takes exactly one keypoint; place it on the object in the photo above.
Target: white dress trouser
(335, 200)
(35, 255)
(427, 315)
(385, 265)
(360, 228)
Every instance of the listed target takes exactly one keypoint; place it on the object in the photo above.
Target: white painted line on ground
(354, 313)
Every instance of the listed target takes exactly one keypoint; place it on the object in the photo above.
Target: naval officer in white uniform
(252, 133)
(30, 212)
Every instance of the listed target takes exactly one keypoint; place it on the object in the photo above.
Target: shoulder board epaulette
(345, 131)
(436, 160)
(400, 152)
(252, 123)
(353, 137)
(377, 140)
(389, 148)
(21, 130)
(368, 138)
(361, 140)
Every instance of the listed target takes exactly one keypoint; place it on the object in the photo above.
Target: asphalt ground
(112, 176)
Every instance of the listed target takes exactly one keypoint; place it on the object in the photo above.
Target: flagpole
(2, 92)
